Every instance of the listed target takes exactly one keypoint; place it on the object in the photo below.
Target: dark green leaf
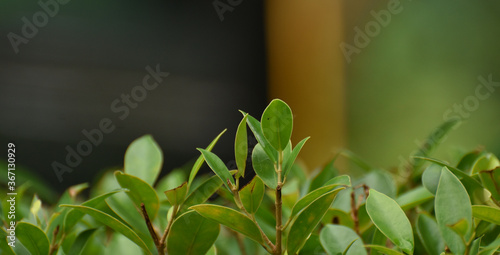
(277, 124)
(326, 173)
(291, 159)
(307, 221)
(390, 219)
(203, 192)
(113, 223)
(428, 232)
(81, 241)
(139, 192)
(474, 248)
(252, 194)
(383, 249)
(241, 147)
(336, 238)
(176, 195)
(33, 238)
(491, 181)
(144, 159)
(74, 216)
(256, 128)
(219, 168)
(192, 234)
(311, 197)
(230, 218)
(199, 162)
(264, 167)
(452, 204)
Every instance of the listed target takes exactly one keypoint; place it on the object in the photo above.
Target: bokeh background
(380, 101)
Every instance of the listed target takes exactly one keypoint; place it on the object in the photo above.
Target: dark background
(91, 52)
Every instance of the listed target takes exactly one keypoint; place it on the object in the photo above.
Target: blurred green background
(423, 63)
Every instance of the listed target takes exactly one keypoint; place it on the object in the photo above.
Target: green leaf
(452, 204)
(81, 241)
(383, 249)
(264, 167)
(256, 128)
(432, 141)
(312, 246)
(326, 173)
(339, 180)
(144, 159)
(475, 190)
(430, 178)
(307, 221)
(203, 192)
(291, 159)
(252, 194)
(414, 197)
(192, 234)
(176, 195)
(311, 197)
(491, 181)
(219, 168)
(486, 162)
(428, 232)
(230, 218)
(4, 246)
(139, 192)
(468, 161)
(487, 213)
(199, 162)
(474, 248)
(33, 238)
(378, 238)
(277, 124)
(241, 147)
(390, 219)
(336, 238)
(73, 216)
(113, 223)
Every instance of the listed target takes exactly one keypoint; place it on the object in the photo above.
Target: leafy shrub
(421, 208)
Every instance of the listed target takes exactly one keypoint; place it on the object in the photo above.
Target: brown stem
(53, 246)
(278, 205)
(152, 231)
(278, 220)
(161, 247)
(354, 212)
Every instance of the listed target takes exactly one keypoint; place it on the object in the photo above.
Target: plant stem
(278, 204)
(152, 231)
(53, 246)
(238, 202)
(354, 212)
(161, 245)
